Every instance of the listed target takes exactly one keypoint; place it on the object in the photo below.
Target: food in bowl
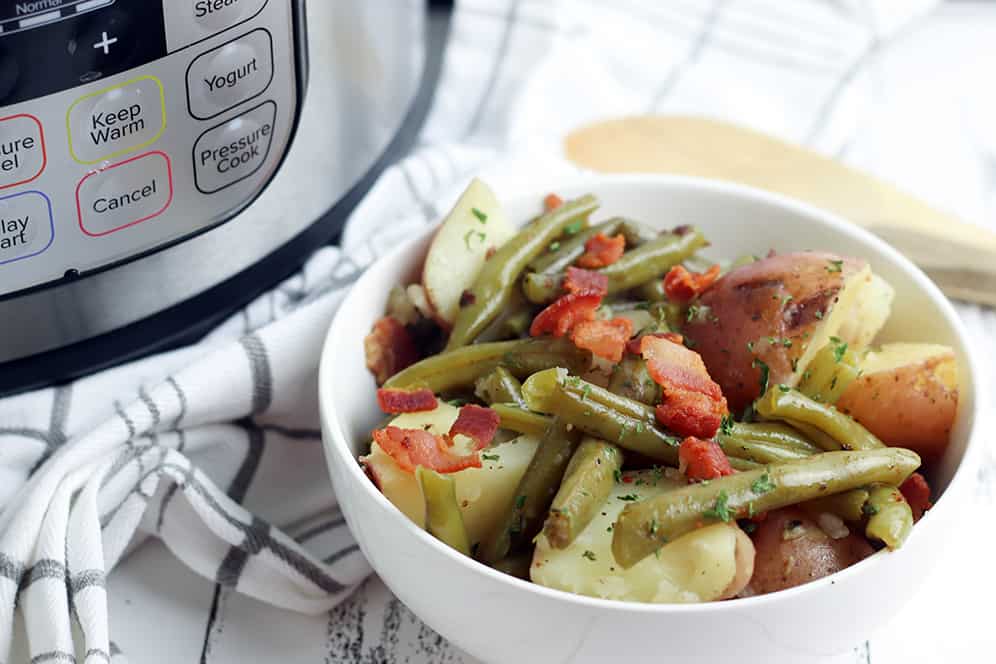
(588, 405)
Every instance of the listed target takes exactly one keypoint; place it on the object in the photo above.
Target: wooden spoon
(959, 257)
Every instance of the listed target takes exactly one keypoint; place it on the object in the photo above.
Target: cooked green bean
(442, 513)
(652, 290)
(571, 248)
(635, 267)
(758, 451)
(499, 386)
(516, 325)
(644, 527)
(494, 285)
(636, 234)
(587, 483)
(821, 440)
(600, 413)
(519, 420)
(774, 433)
(524, 516)
(516, 565)
(631, 379)
(849, 505)
(828, 374)
(890, 518)
(461, 367)
(781, 403)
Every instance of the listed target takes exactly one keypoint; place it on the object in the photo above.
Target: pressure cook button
(117, 120)
(26, 226)
(233, 151)
(230, 74)
(22, 150)
(124, 194)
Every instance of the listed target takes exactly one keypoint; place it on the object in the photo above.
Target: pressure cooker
(164, 161)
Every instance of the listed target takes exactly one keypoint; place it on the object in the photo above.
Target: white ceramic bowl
(497, 618)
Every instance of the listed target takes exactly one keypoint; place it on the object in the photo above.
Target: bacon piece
(586, 281)
(693, 404)
(916, 491)
(388, 348)
(552, 202)
(605, 338)
(634, 344)
(477, 423)
(393, 400)
(564, 313)
(682, 285)
(416, 447)
(602, 250)
(702, 459)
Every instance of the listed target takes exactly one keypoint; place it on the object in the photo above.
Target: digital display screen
(16, 15)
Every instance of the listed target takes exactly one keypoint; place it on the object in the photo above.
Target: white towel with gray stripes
(204, 463)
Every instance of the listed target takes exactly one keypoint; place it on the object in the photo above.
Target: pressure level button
(230, 74)
(235, 150)
(22, 150)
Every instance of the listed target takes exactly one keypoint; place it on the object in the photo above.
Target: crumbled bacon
(916, 491)
(411, 448)
(602, 250)
(682, 285)
(634, 344)
(389, 348)
(564, 313)
(586, 281)
(702, 460)
(693, 404)
(478, 423)
(552, 202)
(393, 400)
(605, 338)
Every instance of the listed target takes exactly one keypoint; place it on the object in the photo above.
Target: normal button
(233, 151)
(230, 74)
(26, 226)
(124, 194)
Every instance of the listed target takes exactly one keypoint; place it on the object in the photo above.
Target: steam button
(190, 21)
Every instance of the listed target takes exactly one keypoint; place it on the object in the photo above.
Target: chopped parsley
(472, 233)
(869, 510)
(553, 247)
(839, 348)
(629, 498)
(617, 475)
(726, 425)
(490, 457)
(720, 510)
(623, 431)
(765, 371)
(585, 391)
(574, 228)
(639, 427)
(750, 346)
(481, 217)
(762, 484)
(835, 266)
(520, 502)
(784, 388)
(457, 402)
(652, 529)
(819, 314)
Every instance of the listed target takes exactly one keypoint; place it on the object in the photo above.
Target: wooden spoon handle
(957, 255)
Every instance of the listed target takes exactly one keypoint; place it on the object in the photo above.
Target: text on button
(235, 149)
(124, 194)
(116, 120)
(26, 226)
(22, 150)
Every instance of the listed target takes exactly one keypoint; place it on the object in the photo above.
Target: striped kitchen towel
(197, 475)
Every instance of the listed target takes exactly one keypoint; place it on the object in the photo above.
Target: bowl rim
(339, 450)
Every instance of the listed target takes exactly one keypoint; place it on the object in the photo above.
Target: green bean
(516, 565)
(523, 518)
(890, 518)
(571, 249)
(849, 505)
(652, 290)
(519, 420)
(780, 403)
(600, 413)
(495, 284)
(636, 234)
(645, 526)
(631, 379)
(774, 433)
(822, 440)
(828, 374)
(638, 266)
(744, 464)
(757, 451)
(516, 325)
(442, 513)
(587, 483)
(460, 368)
(499, 386)
(513, 321)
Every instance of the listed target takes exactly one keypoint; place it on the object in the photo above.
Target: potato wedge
(698, 567)
(481, 492)
(872, 308)
(907, 395)
(778, 311)
(790, 550)
(475, 225)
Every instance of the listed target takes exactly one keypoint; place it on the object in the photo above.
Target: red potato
(790, 550)
(907, 395)
(779, 310)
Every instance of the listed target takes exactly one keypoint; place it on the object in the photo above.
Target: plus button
(105, 43)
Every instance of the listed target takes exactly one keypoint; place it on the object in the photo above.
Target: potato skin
(784, 297)
(910, 406)
(781, 563)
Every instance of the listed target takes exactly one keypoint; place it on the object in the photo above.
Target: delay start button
(124, 194)
(229, 75)
(231, 152)
(26, 226)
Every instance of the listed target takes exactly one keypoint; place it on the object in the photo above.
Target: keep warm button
(124, 194)
(116, 120)
(233, 151)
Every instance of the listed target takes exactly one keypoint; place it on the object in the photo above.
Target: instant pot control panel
(128, 125)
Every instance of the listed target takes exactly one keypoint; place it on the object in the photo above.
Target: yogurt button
(230, 74)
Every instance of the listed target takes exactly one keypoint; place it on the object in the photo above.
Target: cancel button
(124, 194)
